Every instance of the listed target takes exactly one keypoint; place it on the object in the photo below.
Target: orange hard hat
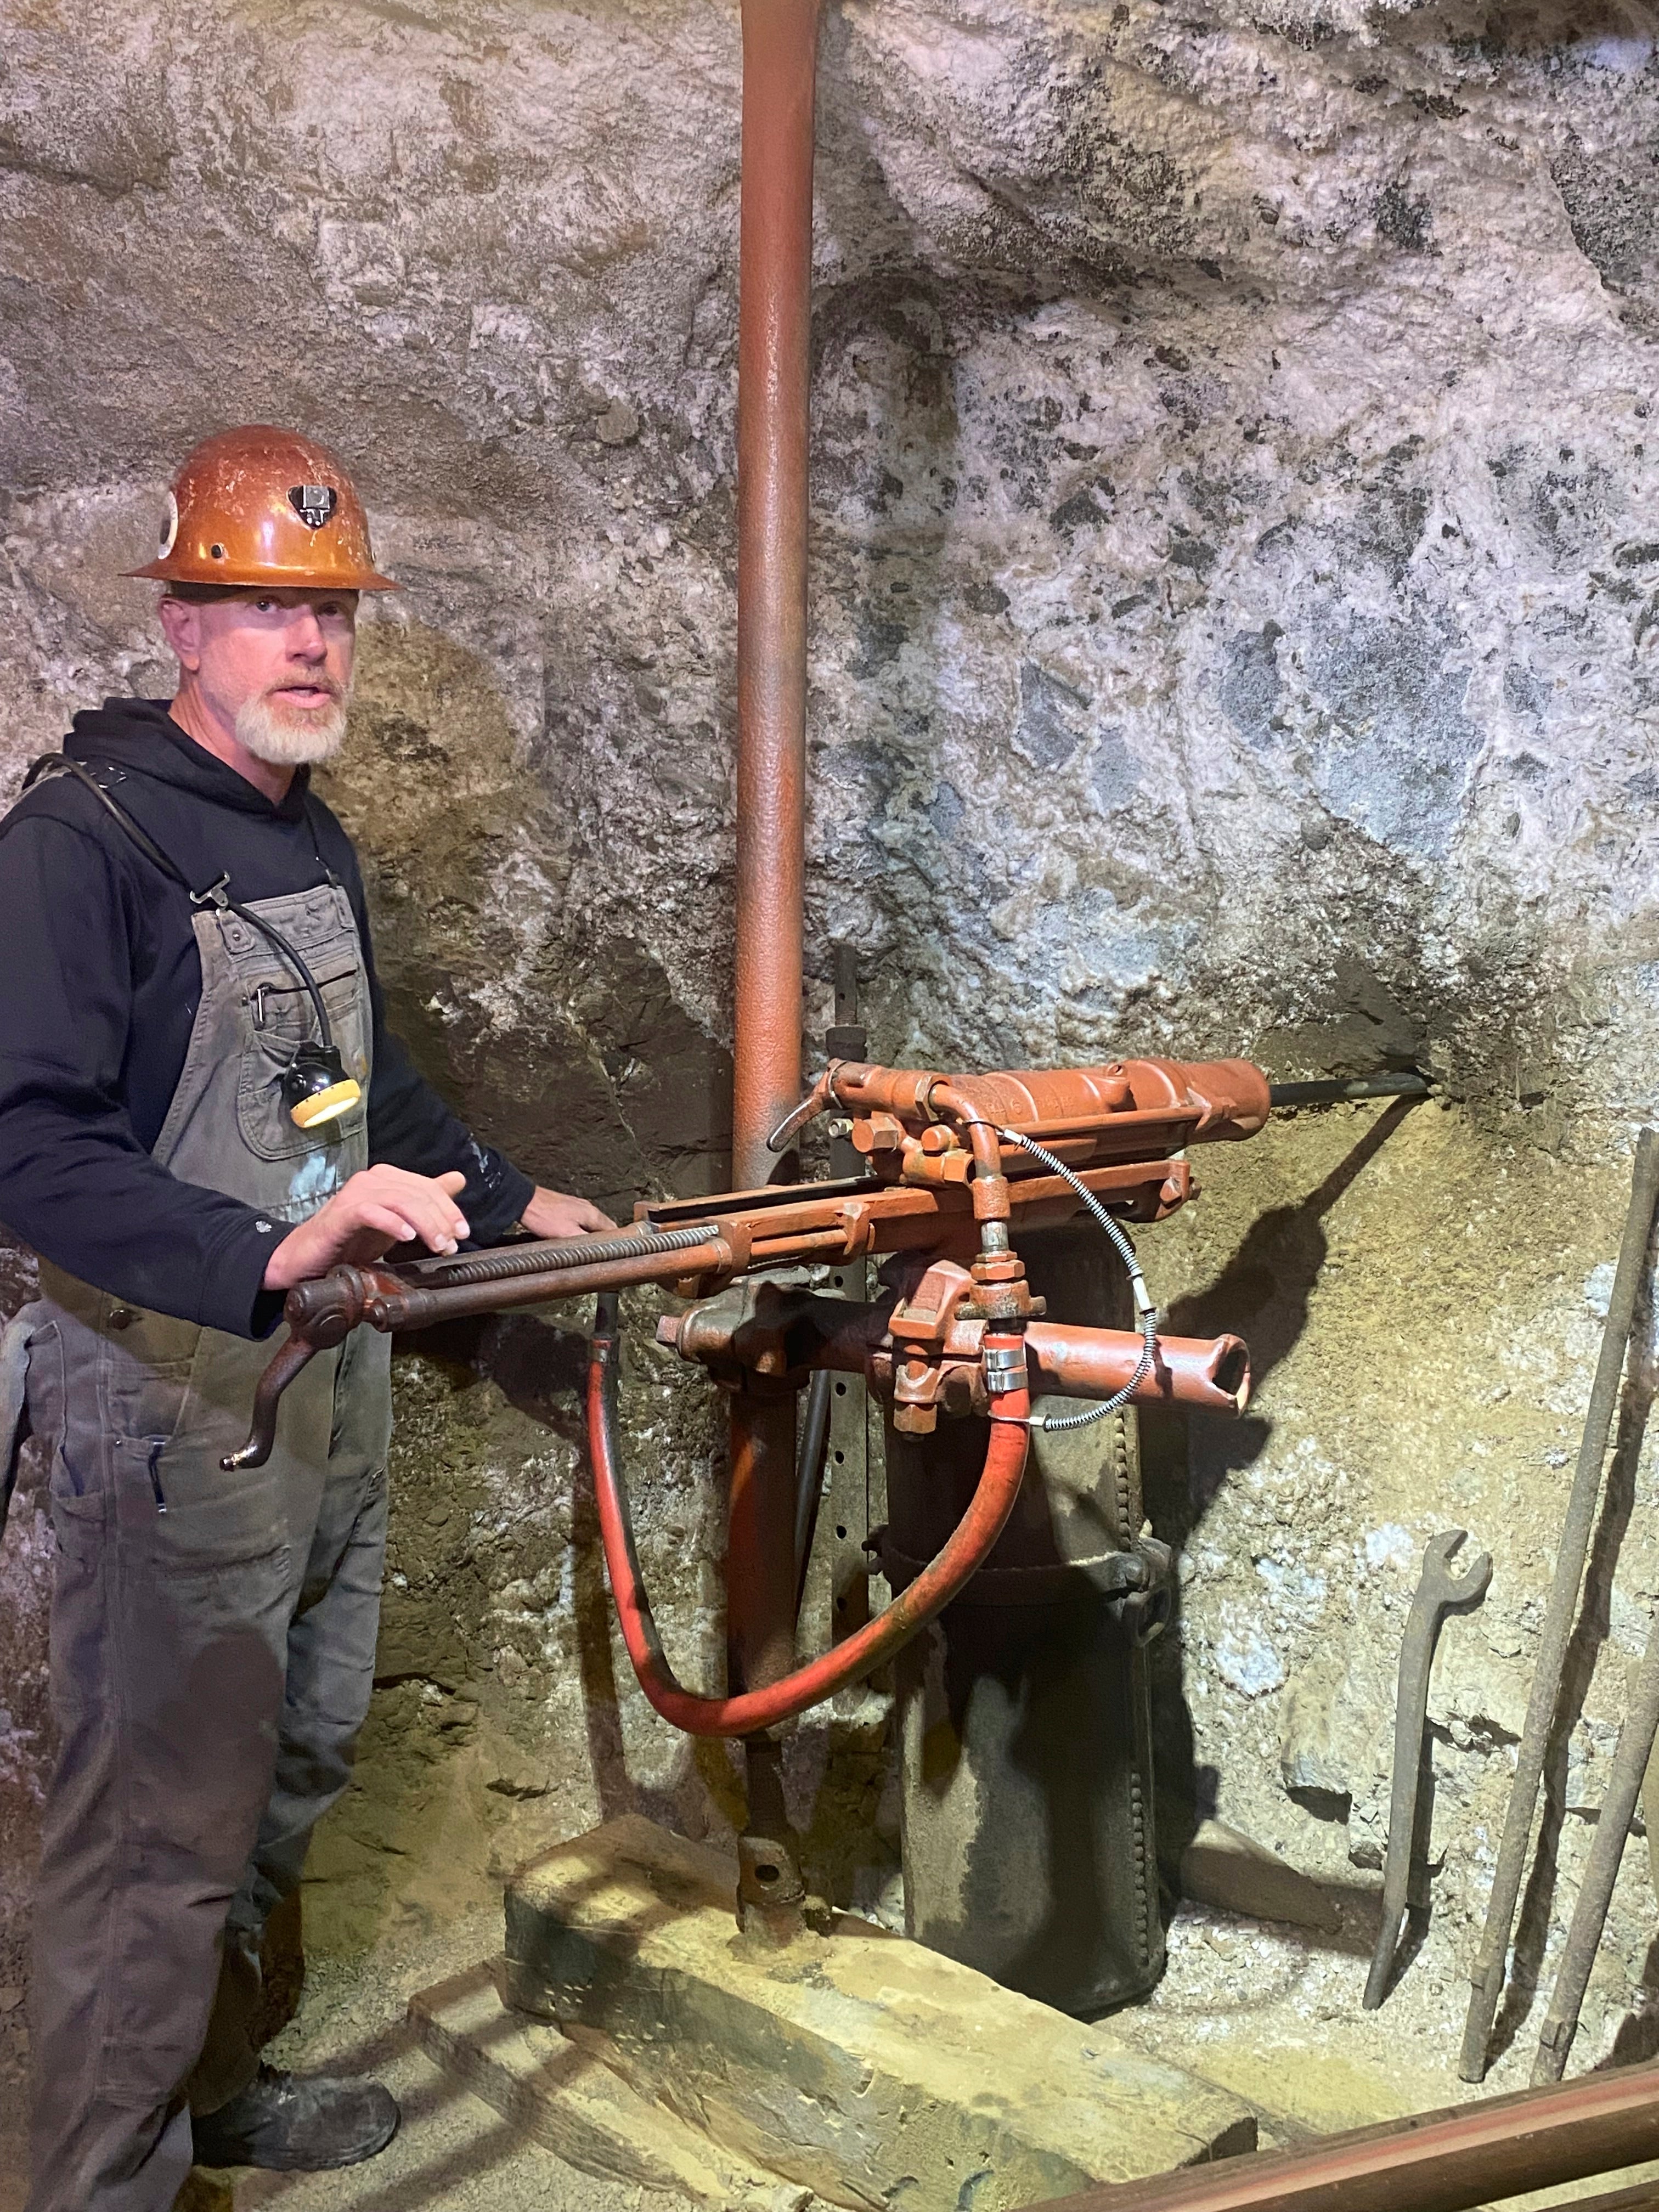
(262, 506)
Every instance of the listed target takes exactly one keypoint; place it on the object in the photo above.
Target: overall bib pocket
(280, 1018)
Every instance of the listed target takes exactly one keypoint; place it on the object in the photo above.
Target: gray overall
(212, 1634)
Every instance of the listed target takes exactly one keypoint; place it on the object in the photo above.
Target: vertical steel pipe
(775, 320)
(780, 61)
(760, 1552)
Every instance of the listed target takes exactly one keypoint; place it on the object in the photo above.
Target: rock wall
(1236, 626)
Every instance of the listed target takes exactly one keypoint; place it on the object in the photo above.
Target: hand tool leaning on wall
(1487, 1978)
(1439, 1593)
(1589, 1915)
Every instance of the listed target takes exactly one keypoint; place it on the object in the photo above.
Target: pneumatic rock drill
(1016, 1512)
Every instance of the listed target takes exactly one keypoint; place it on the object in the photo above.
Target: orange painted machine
(955, 1171)
(954, 1164)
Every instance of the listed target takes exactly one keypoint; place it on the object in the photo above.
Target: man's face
(276, 664)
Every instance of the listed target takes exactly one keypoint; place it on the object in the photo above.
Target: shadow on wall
(1263, 1295)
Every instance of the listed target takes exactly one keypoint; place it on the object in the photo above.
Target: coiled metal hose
(1146, 1311)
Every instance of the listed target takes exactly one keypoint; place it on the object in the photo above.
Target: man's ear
(181, 626)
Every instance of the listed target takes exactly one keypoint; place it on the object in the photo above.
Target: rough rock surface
(1235, 626)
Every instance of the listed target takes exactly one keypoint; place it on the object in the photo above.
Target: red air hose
(910, 1611)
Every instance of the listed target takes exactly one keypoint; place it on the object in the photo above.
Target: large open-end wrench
(1439, 1593)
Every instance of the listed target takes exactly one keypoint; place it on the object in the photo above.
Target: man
(200, 1106)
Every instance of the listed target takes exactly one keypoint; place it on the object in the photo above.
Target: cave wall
(1235, 627)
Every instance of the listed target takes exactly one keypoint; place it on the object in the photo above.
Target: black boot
(297, 2124)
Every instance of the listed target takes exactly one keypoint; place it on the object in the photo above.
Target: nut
(877, 1133)
(1005, 1267)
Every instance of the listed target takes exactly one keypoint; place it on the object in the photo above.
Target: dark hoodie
(98, 984)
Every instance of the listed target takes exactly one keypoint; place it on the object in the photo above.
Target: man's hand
(365, 1216)
(557, 1213)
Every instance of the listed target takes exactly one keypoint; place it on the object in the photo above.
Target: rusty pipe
(780, 61)
(1119, 1105)
(1445, 2162)
(1098, 1363)
(775, 318)
(804, 1331)
(760, 1539)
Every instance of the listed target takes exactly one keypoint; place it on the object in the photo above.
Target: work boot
(297, 2124)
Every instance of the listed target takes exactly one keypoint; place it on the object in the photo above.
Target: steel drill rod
(1589, 1914)
(548, 1255)
(414, 1306)
(1487, 1978)
(1358, 1086)
(1446, 2162)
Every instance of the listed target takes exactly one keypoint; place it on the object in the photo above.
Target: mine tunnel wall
(1235, 628)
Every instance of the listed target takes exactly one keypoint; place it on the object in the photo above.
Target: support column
(780, 55)
(780, 61)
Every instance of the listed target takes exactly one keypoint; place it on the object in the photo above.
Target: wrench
(1439, 1593)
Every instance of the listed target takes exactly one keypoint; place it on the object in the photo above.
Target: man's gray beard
(288, 737)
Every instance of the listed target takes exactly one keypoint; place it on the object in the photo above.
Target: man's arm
(75, 1182)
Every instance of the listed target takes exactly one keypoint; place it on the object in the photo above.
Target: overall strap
(51, 766)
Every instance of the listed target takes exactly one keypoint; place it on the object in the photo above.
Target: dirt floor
(1267, 2010)
(452, 2153)
(1270, 2011)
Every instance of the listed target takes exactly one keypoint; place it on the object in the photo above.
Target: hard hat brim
(240, 577)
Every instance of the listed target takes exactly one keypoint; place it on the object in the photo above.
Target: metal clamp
(1004, 1368)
